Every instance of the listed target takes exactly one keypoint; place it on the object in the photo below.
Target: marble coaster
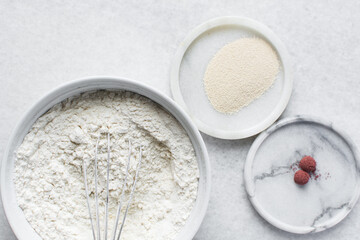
(329, 195)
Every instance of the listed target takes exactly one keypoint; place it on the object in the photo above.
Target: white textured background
(44, 44)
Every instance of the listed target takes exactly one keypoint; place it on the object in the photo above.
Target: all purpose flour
(49, 177)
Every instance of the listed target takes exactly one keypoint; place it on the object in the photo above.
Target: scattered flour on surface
(239, 73)
(49, 177)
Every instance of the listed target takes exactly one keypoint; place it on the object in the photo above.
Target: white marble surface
(333, 189)
(44, 44)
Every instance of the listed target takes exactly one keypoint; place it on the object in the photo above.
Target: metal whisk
(116, 234)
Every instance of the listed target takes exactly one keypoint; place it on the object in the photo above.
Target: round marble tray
(270, 168)
(190, 64)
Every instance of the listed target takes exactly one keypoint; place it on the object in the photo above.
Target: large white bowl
(15, 216)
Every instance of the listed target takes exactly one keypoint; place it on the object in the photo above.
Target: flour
(49, 177)
(239, 73)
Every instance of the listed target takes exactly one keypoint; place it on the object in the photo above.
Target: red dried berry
(301, 177)
(308, 164)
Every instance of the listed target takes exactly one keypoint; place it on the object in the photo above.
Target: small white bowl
(14, 214)
(189, 66)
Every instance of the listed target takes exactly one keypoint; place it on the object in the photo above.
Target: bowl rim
(200, 207)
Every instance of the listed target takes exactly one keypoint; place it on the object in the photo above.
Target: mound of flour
(49, 175)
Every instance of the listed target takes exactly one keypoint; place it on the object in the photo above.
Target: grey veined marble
(273, 160)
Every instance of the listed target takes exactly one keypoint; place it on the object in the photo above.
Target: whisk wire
(131, 194)
(107, 187)
(122, 192)
(96, 190)
(97, 233)
(87, 200)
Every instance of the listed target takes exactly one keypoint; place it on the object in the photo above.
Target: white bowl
(190, 64)
(14, 214)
